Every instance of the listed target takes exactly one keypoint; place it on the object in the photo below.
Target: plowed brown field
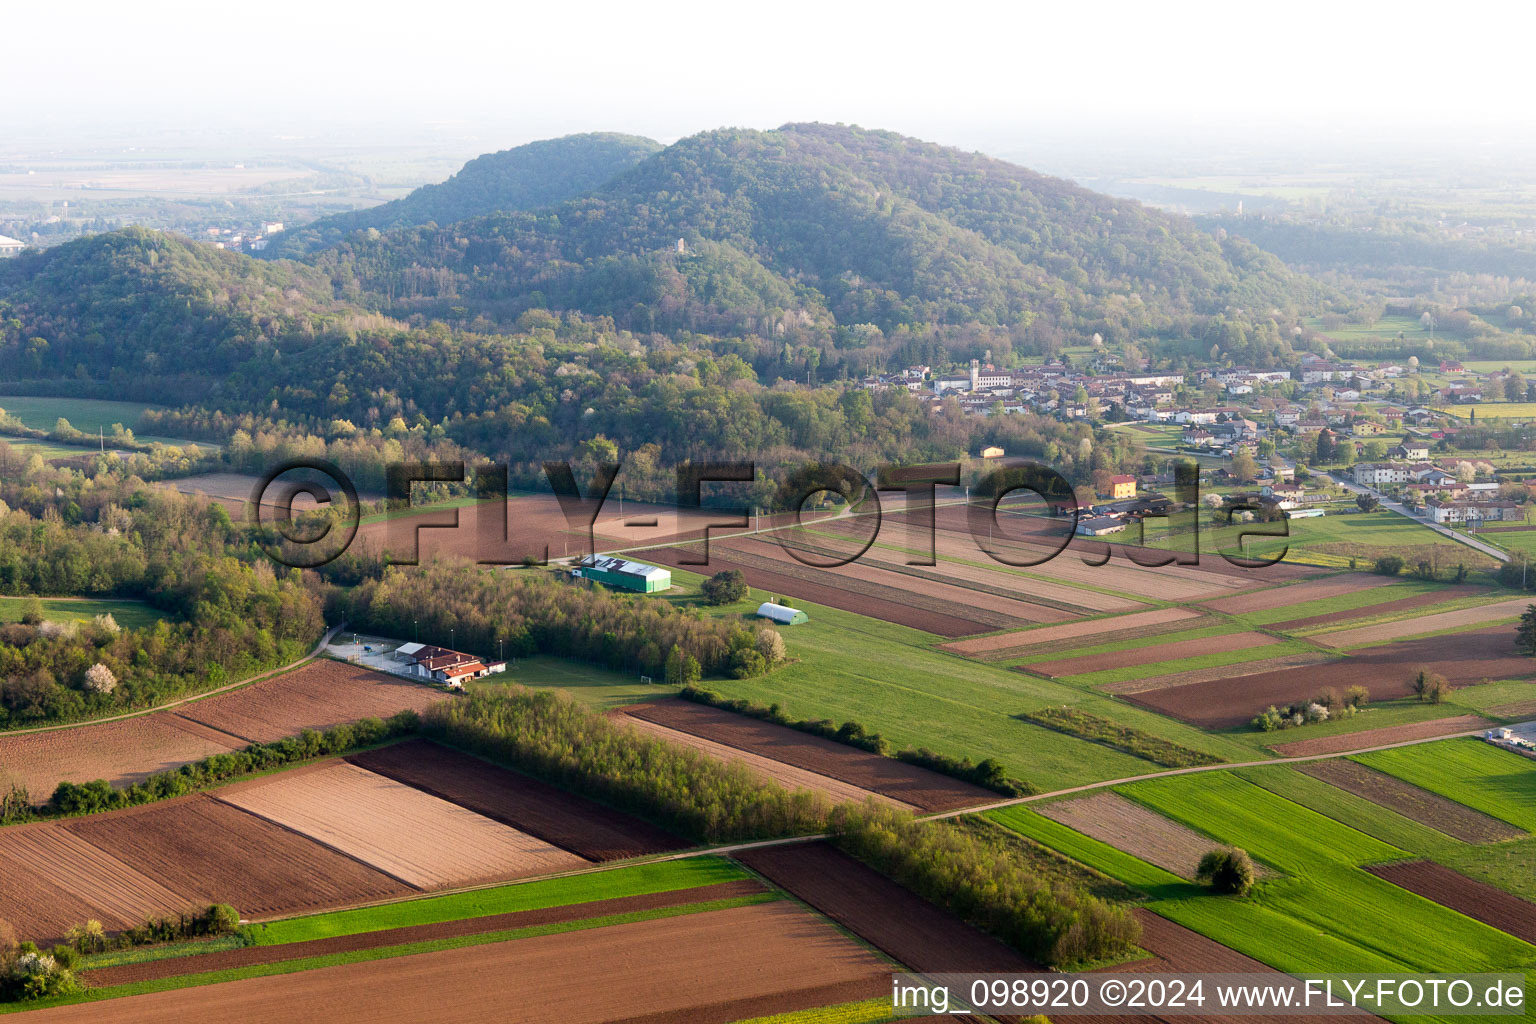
(707, 968)
(1150, 653)
(907, 783)
(218, 853)
(570, 822)
(405, 833)
(1387, 671)
(122, 752)
(318, 695)
(1378, 737)
(1410, 801)
(892, 919)
(1477, 900)
(1127, 825)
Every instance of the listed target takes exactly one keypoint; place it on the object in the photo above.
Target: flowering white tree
(99, 679)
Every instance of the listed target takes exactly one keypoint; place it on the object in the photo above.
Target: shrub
(770, 644)
(90, 937)
(1227, 870)
(1431, 687)
(747, 663)
(30, 974)
(726, 587)
(1390, 565)
(1357, 696)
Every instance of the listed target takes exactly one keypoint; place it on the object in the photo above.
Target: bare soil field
(1387, 671)
(707, 968)
(894, 920)
(583, 827)
(1068, 631)
(1151, 653)
(908, 783)
(115, 893)
(317, 695)
(407, 834)
(1376, 737)
(1297, 593)
(1127, 825)
(535, 527)
(1374, 610)
(1410, 801)
(786, 775)
(216, 852)
(1219, 672)
(122, 752)
(828, 593)
(1387, 631)
(1477, 900)
(226, 959)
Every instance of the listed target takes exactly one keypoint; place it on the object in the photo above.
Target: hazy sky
(953, 71)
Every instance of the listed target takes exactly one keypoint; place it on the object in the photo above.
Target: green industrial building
(624, 575)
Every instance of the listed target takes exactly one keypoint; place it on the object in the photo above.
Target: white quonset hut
(784, 616)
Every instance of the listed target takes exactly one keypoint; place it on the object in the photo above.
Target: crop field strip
(1295, 593)
(318, 695)
(1040, 638)
(1153, 653)
(1167, 680)
(1358, 812)
(789, 776)
(1387, 670)
(1385, 609)
(912, 785)
(1438, 812)
(265, 954)
(1110, 818)
(1481, 776)
(1477, 900)
(770, 958)
(1378, 737)
(587, 829)
(1418, 625)
(407, 834)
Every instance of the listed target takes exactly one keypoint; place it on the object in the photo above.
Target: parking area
(375, 652)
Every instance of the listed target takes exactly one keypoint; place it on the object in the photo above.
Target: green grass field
(870, 1011)
(129, 614)
(1348, 809)
(87, 414)
(591, 684)
(1213, 660)
(1470, 772)
(1343, 602)
(1489, 410)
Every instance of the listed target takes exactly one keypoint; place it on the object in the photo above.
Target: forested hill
(816, 232)
(524, 178)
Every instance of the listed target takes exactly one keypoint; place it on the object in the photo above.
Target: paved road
(1403, 510)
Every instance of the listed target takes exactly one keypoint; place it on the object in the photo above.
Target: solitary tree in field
(1227, 869)
(1525, 633)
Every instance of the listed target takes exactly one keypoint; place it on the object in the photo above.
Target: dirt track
(1477, 900)
(1387, 671)
(708, 968)
(570, 822)
(908, 783)
(892, 919)
(1391, 734)
(1438, 812)
(1151, 653)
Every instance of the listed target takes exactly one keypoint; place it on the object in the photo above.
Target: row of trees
(521, 613)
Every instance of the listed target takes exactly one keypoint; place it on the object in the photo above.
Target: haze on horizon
(983, 75)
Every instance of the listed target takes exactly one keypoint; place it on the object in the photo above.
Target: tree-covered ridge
(523, 178)
(812, 229)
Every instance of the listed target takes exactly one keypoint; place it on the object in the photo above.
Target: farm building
(617, 572)
(781, 614)
(1098, 526)
(440, 665)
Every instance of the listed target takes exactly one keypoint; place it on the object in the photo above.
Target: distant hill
(523, 178)
(809, 231)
